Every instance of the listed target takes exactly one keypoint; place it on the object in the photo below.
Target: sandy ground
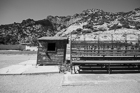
(52, 83)
(12, 59)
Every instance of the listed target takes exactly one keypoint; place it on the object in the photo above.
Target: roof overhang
(52, 38)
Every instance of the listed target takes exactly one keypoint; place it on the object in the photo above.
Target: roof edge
(53, 38)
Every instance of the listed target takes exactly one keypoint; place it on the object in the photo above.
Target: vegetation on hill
(89, 21)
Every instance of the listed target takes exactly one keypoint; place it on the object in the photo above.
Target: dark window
(51, 47)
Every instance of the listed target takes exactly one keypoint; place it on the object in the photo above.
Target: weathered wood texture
(51, 57)
(91, 50)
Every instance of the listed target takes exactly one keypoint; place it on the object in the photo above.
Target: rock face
(88, 22)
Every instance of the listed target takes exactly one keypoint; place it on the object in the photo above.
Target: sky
(17, 10)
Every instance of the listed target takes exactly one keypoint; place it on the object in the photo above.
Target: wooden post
(84, 37)
(111, 45)
(109, 68)
(125, 44)
(112, 41)
(65, 49)
(37, 55)
(139, 41)
(98, 44)
(71, 65)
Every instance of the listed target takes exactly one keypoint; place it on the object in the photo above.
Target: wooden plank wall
(56, 57)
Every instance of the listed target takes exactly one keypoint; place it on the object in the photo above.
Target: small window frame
(49, 50)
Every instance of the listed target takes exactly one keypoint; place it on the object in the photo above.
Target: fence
(120, 45)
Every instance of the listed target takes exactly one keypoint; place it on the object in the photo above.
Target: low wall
(31, 48)
(12, 47)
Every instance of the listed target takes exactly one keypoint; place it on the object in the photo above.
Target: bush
(86, 31)
(115, 26)
(74, 32)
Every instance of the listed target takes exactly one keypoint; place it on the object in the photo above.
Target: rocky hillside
(87, 22)
(25, 32)
(94, 20)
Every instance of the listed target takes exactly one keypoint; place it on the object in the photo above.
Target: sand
(52, 83)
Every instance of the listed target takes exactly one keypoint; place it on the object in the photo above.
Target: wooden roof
(53, 38)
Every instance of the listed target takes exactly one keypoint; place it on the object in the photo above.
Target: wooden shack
(51, 50)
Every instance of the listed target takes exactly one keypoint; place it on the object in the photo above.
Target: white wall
(31, 48)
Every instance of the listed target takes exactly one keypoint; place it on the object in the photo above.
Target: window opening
(51, 47)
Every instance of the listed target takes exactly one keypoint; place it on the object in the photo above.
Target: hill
(88, 22)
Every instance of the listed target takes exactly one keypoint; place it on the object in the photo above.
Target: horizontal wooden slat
(108, 61)
(93, 68)
(124, 69)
